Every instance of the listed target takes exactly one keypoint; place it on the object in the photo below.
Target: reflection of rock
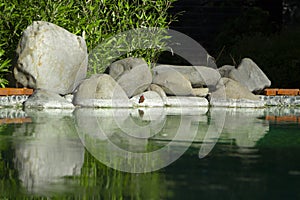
(99, 123)
(242, 124)
(282, 111)
(12, 113)
(192, 121)
(119, 137)
(50, 152)
(119, 124)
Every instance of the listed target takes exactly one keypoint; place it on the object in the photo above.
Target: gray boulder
(100, 90)
(197, 75)
(250, 75)
(230, 89)
(51, 58)
(132, 74)
(200, 92)
(225, 70)
(46, 99)
(158, 90)
(172, 82)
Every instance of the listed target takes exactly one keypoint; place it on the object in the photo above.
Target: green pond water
(154, 153)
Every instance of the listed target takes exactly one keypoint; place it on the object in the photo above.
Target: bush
(96, 19)
(277, 55)
(4, 66)
(274, 47)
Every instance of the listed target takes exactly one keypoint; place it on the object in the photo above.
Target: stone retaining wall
(286, 101)
(281, 100)
(12, 101)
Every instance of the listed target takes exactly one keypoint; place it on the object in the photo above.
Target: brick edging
(285, 92)
(15, 91)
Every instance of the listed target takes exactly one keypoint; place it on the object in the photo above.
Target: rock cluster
(54, 62)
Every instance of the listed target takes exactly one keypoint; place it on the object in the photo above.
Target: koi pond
(150, 153)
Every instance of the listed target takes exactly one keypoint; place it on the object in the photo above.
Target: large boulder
(132, 74)
(197, 75)
(100, 90)
(172, 82)
(230, 89)
(50, 57)
(250, 75)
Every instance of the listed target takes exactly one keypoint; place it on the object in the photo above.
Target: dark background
(267, 31)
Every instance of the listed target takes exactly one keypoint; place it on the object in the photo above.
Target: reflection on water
(216, 152)
(49, 151)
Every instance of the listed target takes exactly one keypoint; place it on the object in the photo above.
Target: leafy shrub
(4, 66)
(97, 20)
(277, 55)
(273, 46)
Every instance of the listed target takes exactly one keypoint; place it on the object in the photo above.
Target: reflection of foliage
(96, 180)
(9, 184)
(102, 182)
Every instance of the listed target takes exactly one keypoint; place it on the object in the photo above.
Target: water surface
(212, 154)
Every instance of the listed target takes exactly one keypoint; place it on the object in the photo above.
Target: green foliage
(97, 20)
(4, 65)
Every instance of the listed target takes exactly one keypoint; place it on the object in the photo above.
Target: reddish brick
(15, 91)
(271, 91)
(288, 92)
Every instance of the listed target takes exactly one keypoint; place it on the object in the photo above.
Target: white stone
(46, 99)
(186, 102)
(147, 99)
(240, 103)
(51, 58)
